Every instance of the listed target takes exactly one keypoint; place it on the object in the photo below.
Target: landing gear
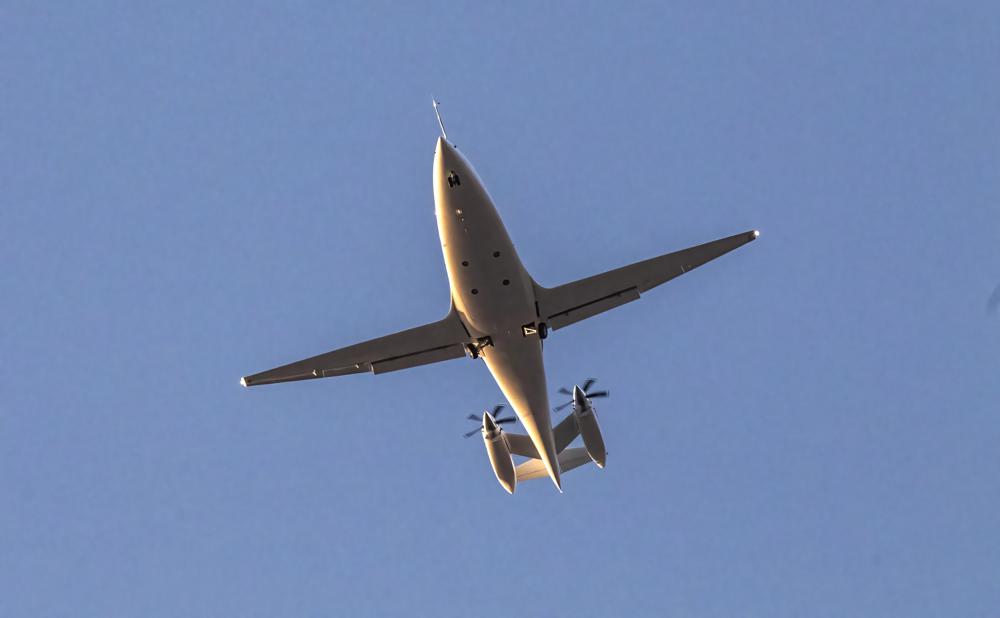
(474, 350)
(541, 329)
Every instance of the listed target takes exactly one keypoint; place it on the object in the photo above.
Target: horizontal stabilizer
(568, 459)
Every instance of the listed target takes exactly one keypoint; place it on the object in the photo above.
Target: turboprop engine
(590, 431)
(497, 445)
(498, 450)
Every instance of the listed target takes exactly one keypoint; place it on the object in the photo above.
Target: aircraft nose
(443, 154)
(579, 397)
(443, 146)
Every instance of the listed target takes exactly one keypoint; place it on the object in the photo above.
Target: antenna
(437, 113)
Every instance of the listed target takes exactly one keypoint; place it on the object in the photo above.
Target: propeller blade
(565, 391)
(501, 421)
(560, 407)
(473, 417)
(586, 385)
(497, 408)
(477, 430)
(598, 394)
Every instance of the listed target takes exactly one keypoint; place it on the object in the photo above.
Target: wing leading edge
(566, 304)
(430, 343)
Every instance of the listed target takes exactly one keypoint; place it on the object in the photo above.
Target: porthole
(465, 263)
(475, 291)
(496, 254)
(506, 281)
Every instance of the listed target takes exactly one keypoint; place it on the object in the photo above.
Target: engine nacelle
(498, 451)
(590, 431)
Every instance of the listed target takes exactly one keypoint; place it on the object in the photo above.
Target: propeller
(499, 421)
(586, 391)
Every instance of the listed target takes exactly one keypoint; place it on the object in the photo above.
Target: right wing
(430, 343)
(566, 304)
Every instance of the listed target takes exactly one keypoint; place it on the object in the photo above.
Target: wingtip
(755, 234)
(243, 382)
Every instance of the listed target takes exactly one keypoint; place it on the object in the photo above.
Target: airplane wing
(566, 304)
(430, 343)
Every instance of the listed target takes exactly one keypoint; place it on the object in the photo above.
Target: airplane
(501, 315)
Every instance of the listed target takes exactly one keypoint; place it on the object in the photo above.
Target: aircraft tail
(568, 459)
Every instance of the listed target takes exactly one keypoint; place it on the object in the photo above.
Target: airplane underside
(501, 315)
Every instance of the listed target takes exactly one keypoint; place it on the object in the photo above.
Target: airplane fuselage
(501, 315)
(493, 294)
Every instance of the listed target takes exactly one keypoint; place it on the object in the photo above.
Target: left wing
(566, 304)
(430, 343)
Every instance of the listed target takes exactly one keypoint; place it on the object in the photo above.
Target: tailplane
(568, 459)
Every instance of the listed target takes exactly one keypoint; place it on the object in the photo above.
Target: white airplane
(500, 314)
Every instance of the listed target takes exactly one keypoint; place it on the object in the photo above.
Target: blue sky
(191, 193)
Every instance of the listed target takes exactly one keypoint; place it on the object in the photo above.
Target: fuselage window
(453, 179)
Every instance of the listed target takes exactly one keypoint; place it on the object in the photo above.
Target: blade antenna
(437, 113)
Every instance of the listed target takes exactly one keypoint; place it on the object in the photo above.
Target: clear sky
(190, 193)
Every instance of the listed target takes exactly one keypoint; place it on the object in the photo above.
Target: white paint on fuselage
(480, 257)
